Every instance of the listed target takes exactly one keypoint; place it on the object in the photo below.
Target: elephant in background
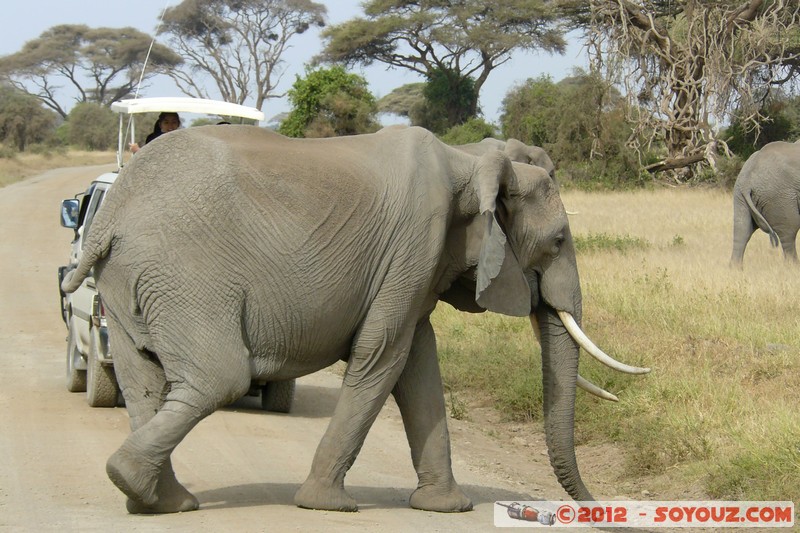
(224, 254)
(766, 196)
(515, 150)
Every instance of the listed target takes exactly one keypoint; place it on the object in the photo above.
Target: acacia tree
(238, 44)
(100, 65)
(464, 40)
(688, 65)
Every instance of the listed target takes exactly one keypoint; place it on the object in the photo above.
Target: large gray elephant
(515, 150)
(224, 254)
(767, 196)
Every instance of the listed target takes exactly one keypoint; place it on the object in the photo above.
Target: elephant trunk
(559, 375)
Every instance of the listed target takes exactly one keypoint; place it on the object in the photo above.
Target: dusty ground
(244, 465)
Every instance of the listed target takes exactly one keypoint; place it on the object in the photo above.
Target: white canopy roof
(186, 105)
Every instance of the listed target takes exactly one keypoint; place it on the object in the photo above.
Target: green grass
(721, 408)
(595, 242)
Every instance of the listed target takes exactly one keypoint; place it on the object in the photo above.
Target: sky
(26, 20)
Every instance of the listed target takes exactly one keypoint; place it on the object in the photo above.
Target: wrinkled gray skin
(515, 150)
(767, 196)
(228, 253)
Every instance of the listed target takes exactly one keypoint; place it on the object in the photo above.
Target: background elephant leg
(787, 233)
(379, 353)
(142, 467)
(420, 397)
(743, 229)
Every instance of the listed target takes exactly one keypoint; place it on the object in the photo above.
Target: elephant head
(526, 266)
(532, 155)
(516, 151)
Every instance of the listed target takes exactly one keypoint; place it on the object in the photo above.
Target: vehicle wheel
(101, 386)
(277, 396)
(76, 378)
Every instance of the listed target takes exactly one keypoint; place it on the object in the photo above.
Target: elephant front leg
(420, 397)
(372, 370)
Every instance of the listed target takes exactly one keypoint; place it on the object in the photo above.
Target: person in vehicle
(167, 121)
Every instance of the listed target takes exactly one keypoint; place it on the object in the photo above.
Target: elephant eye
(556, 246)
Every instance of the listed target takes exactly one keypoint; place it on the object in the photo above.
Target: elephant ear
(500, 286)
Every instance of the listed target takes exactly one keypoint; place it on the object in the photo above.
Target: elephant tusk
(573, 213)
(591, 388)
(535, 324)
(585, 343)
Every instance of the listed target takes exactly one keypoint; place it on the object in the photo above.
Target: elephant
(224, 254)
(767, 196)
(516, 151)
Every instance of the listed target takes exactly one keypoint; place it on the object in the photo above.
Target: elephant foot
(316, 495)
(172, 497)
(171, 505)
(137, 479)
(432, 498)
(150, 490)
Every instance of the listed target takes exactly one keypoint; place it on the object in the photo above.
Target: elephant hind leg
(787, 232)
(141, 467)
(144, 387)
(743, 229)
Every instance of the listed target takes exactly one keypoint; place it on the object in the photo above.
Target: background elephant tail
(759, 219)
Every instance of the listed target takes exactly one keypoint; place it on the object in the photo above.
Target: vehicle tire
(101, 387)
(76, 378)
(277, 396)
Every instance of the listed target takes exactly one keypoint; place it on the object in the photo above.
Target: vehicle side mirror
(69, 213)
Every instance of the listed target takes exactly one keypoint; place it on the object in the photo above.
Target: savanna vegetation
(717, 417)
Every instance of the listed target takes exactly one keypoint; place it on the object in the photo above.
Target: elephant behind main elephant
(515, 150)
(225, 254)
(766, 196)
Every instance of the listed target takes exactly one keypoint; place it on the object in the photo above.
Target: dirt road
(244, 465)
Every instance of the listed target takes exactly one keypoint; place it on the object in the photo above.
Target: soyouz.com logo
(644, 514)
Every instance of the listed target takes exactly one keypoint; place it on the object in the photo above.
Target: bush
(330, 102)
(448, 101)
(472, 131)
(781, 122)
(581, 123)
(23, 120)
(92, 126)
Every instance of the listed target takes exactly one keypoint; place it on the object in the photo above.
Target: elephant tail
(97, 246)
(759, 219)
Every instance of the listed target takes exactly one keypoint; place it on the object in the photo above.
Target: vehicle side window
(85, 197)
(94, 205)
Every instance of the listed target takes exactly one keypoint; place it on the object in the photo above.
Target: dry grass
(21, 166)
(721, 405)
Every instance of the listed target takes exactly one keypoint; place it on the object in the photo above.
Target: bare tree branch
(238, 45)
(688, 70)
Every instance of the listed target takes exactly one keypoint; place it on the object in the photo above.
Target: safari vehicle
(89, 349)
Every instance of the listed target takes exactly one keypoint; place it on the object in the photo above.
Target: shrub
(92, 126)
(330, 102)
(472, 131)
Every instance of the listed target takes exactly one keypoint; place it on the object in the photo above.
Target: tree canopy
(330, 102)
(23, 120)
(688, 65)
(462, 40)
(239, 45)
(100, 65)
(579, 120)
